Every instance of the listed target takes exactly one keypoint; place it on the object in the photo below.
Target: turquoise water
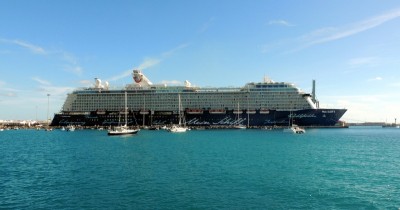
(355, 168)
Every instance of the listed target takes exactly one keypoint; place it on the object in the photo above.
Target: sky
(351, 49)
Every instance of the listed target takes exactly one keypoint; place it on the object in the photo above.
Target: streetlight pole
(48, 105)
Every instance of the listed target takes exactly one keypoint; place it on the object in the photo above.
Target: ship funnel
(314, 99)
(313, 90)
(140, 79)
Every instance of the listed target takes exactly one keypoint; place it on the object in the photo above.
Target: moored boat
(123, 130)
(180, 128)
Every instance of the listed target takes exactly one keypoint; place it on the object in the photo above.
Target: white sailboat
(293, 128)
(178, 128)
(238, 125)
(123, 130)
(70, 128)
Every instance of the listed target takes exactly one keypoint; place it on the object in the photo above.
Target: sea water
(354, 168)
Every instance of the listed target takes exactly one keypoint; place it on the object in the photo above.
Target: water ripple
(354, 168)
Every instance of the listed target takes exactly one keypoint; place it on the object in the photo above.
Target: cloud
(85, 82)
(121, 76)
(171, 52)
(73, 64)
(74, 69)
(31, 47)
(378, 107)
(8, 94)
(48, 88)
(146, 63)
(55, 91)
(149, 62)
(206, 25)
(34, 48)
(362, 61)
(69, 58)
(339, 33)
(329, 34)
(41, 81)
(280, 23)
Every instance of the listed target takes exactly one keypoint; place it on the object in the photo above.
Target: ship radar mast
(98, 84)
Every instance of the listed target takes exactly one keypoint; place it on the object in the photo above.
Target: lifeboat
(101, 112)
(237, 111)
(144, 111)
(217, 111)
(194, 111)
(264, 111)
(251, 111)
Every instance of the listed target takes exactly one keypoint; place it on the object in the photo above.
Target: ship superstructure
(264, 103)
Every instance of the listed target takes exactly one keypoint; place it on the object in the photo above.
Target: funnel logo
(138, 78)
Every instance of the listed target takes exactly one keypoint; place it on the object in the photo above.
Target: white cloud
(73, 64)
(121, 76)
(48, 88)
(149, 62)
(365, 108)
(8, 94)
(362, 61)
(356, 27)
(280, 22)
(69, 58)
(206, 25)
(41, 81)
(146, 63)
(85, 82)
(31, 47)
(329, 34)
(34, 48)
(171, 52)
(77, 70)
(57, 91)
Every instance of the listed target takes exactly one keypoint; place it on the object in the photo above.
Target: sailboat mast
(179, 108)
(144, 109)
(126, 110)
(238, 113)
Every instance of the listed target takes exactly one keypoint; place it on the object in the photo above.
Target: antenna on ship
(313, 94)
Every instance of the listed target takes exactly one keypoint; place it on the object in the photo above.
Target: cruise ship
(266, 103)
